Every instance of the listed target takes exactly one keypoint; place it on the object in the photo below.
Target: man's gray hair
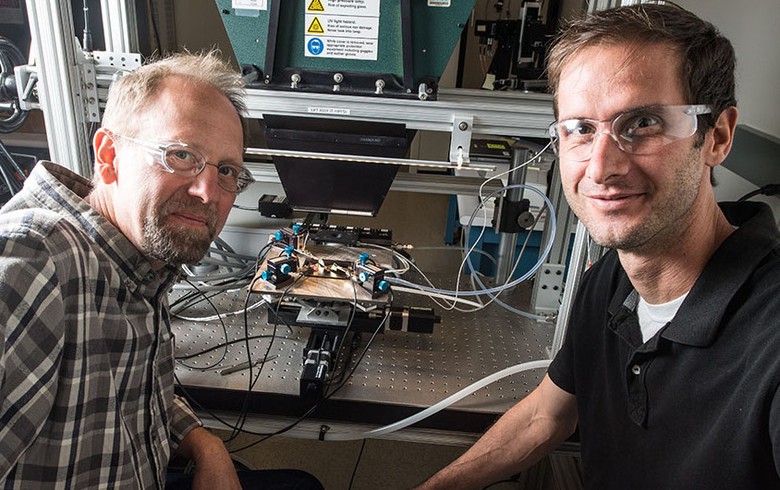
(131, 93)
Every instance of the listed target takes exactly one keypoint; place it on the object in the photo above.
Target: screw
(463, 126)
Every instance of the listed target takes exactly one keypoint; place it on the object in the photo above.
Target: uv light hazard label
(347, 29)
(343, 26)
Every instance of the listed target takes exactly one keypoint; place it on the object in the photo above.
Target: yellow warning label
(315, 6)
(315, 27)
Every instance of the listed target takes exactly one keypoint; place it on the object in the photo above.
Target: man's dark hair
(707, 58)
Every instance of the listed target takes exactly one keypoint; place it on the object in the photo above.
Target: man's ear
(105, 156)
(717, 144)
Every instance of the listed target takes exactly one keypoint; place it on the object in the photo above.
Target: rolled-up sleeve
(183, 420)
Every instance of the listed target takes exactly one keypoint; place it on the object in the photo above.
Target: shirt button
(636, 369)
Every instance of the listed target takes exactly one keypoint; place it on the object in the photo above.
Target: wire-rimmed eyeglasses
(182, 159)
(641, 131)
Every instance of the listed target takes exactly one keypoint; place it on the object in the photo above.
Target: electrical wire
(767, 190)
(254, 306)
(224, 331)
(11, 172)
(357, 463)
(244, 208)
(526, 366)
(477, 306)
(508, 285)
(219, 346)
(311, 410)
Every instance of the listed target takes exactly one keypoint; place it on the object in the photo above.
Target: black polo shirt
(698, 405)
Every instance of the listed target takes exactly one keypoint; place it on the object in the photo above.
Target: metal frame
(494, 113)
(57, 60)
(119, 25)
(460, 112)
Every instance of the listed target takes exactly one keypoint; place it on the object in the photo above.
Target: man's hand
(213, 466)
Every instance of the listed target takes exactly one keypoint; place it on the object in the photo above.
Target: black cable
(219, 346)
(326, 397)
(9, 181)
(244, 208)
(245, 405)
(153, 18)
(353, 345)
(239, 426)
(252, 382)
(221, 322)
(193, 298)
(344, 337)
(767, 190)
(201, 407)
(9, 167)
(86, 36)
(357, 463)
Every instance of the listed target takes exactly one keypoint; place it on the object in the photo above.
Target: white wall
(754, 30)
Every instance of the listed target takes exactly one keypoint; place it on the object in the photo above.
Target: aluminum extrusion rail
(494, 113)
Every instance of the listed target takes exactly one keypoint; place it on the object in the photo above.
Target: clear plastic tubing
(519, 368)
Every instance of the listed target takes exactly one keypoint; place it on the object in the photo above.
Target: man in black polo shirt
(671, 366)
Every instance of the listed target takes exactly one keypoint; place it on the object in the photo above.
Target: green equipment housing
(387, 48)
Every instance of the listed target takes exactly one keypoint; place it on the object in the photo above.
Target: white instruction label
(250, 4)
(438, 3)
(337, 111)
(346, 29)
(366, 8)
(341, 47)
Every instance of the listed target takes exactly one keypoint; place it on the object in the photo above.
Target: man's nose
(204, 185)
(607, 159)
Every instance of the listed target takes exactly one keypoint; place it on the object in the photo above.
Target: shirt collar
(730, 267)
(699, 317)
(63, 191)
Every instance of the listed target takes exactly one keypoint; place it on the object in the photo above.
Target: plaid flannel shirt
(86, 359)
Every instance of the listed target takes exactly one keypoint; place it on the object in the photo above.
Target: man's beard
(178, 245)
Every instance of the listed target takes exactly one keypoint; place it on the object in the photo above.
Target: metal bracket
(118, 61)
(27, 81)
(323, 315)
(547, 296)
(89, 87)
(102, 62)
(460, 141)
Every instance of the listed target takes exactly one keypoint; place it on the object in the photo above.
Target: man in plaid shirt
(86, 365)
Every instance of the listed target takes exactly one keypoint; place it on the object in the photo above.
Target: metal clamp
(460, 141)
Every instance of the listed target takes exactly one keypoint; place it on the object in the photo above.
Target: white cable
(437, 295)
(542, 256)
(410, 264)
(351, 436)
(483, 207)
(222, 315)
(226, 288)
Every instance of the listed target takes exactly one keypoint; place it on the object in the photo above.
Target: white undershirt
(652, 318)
